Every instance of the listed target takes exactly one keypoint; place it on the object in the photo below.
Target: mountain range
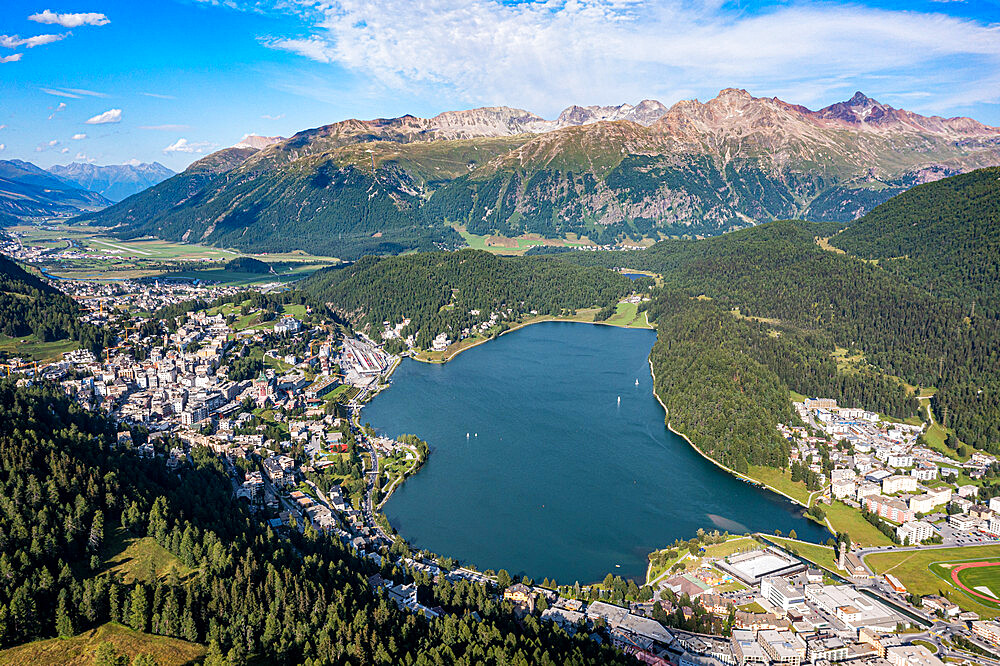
(29, 191)
(114, 181)
(607, 173)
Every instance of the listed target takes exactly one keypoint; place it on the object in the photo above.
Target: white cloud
(64, 150)
(185, 146)
(78, 137)
(11, 58)
(60, 93)
(82, 157)
(546, 54)
(13, 41)
(60, 107)
(3, 146)
(270, 117)
(45, 146)
(109, 116)
(157, 95)
(69, 20)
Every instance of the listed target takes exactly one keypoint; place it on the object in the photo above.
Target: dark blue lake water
(556, 477)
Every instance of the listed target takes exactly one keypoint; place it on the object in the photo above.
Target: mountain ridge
(392, 184)
(113, 181)
(27, 190)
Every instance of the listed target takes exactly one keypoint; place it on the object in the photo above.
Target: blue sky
(170, 80)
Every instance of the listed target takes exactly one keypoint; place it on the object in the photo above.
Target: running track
(972, 565)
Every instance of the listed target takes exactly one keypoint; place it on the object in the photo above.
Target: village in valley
(273, 389)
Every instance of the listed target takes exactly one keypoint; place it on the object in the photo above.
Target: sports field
(969, 576)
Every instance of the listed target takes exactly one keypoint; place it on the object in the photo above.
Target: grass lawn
(736, 545)
(132, 558)
(753, 607)
(846, 519)
(822, 556)
(781, 480)
(628, 315)
(79, 650)
(796, 397)
(925, 572)
(30, 347)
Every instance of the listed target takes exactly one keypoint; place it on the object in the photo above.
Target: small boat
(637, 381)
(619, 400)
(618, 566)
(467, 435)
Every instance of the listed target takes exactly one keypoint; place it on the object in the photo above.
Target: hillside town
(886, 470)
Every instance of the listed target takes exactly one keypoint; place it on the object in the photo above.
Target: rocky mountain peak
(258, 142)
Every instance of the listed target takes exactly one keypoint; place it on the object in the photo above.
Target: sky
(113, 81)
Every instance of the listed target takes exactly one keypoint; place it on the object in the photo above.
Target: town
(274, 388)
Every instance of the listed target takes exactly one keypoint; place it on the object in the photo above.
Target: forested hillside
(65, 486)
(725, 380)
(439, 291)
(942, 236)
(29, 306)
(777, 271)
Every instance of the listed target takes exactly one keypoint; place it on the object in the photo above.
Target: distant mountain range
(29, 191)
(389, 185)
(114, 181)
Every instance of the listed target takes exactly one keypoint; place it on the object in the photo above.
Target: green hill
(943, 236)
(82, 649)
(35, 317)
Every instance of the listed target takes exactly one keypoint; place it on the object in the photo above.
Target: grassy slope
(131, 558)
(846, 519)
(79, 650)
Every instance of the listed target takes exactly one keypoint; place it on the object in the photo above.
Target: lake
(557, 477)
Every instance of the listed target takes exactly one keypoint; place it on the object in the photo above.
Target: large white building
(780, 592)
(914, 532)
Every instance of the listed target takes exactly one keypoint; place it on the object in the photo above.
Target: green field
(822, 556)
(133, 558)
(781, 480)
(979, 581)
(515, 246)
(929, 572)
(79, 650)
(30, 347)
(847, 519)
(627, 314)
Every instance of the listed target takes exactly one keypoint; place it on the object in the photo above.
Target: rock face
(258, 142)
(29, 191)
(605, 172)
(114, 181)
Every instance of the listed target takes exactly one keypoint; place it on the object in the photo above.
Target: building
(988, 630)
(746, 649)
(783, 647)
(935, 603)
(520, 594)
(287, 325)
(962, 522)
(890, 507)
(780, 592)
(914, 532)
(842, 488)
(898, 483)
(825, 647)
(911, 655)
(753, 567)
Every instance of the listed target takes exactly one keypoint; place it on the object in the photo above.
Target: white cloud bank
(185, 146)
(14, 41)
(548, 53)
(109, 116)
(11, 58)
(78, 137)
(69, 20)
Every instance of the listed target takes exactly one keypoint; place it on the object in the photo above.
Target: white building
(914, 532)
